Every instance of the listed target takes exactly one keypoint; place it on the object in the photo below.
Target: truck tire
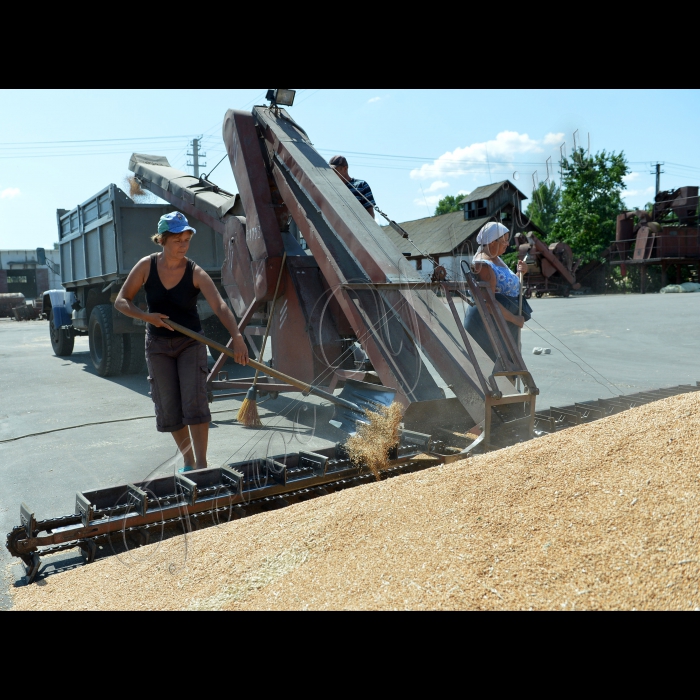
(61, 342)
(106, 346)
(134, 354)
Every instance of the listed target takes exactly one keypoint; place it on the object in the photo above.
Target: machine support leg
(245, 320)
(487, 422)
(465, 339)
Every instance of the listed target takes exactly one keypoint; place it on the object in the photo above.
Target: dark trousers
(177, 372)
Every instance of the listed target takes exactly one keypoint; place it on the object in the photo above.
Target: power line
(89, 143)
(308, 96)
(134, 138)
(678, 165)
(71, 154)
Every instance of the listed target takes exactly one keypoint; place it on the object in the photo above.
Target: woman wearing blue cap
(493, 239)
(177, 365)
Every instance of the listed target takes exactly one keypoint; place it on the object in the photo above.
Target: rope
(572, 361)
(269, 318)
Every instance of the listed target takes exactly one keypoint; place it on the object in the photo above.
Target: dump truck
(99, 242)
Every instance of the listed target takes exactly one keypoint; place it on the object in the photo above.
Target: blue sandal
(184, 469)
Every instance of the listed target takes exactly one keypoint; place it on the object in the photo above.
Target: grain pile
(371, 443)
(601, 516)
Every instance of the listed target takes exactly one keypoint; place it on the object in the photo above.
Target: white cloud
(10, 193)
(553, 139)
(437, 185)
(647, 192)
(631, 176)
(461, 161)
(430, 199)
(373, 99)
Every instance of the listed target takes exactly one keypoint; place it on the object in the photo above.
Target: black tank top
(178, 303)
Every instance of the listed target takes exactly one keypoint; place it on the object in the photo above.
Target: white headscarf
(490, 232)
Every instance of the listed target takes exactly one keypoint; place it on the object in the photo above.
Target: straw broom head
(248, 412)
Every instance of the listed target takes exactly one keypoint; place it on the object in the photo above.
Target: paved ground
(630, 343)
(624, 343)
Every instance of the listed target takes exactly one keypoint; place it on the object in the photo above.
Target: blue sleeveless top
(507, 281)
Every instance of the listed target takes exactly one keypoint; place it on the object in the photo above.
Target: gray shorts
(177, 373)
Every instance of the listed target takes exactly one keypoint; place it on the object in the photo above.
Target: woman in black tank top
(177, 365)
(178, 303)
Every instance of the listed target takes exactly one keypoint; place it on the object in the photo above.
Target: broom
(520, 313)
(248, 412)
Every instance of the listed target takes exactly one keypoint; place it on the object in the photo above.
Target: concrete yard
(78, 438)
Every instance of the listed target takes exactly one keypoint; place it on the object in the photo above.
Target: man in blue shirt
(359, 188)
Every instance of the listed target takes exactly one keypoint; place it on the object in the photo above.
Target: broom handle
(520, 313)
(269, 318)
(303, 386)
(520, 303)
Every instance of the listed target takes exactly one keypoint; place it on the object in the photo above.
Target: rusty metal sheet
(263, 215)
(291, 349)
(236, 275)
(243, 148)
(319, 333)
(642, 249)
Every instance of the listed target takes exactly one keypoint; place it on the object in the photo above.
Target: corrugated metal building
(451, 238)
(20, 272)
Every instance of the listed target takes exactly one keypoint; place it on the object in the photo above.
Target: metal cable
(573, 353)
(99, 422)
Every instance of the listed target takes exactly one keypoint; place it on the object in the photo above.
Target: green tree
(448, 204)
(590, 201)
(543, 208)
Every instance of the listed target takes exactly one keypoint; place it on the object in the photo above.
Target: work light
(281, 97)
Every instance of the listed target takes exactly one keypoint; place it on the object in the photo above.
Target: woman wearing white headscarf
(493, 239)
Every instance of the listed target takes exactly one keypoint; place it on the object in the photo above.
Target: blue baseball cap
(175, 222)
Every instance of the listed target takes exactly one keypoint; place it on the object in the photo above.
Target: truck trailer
(99, 243)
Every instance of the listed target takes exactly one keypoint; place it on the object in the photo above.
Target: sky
(59, 147)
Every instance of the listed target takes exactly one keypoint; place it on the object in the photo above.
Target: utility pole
(657, 171)
(562, 156)
(196, 145)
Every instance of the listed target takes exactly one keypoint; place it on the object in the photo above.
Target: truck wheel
(106, 346)
(61, 342)
(134, 354)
